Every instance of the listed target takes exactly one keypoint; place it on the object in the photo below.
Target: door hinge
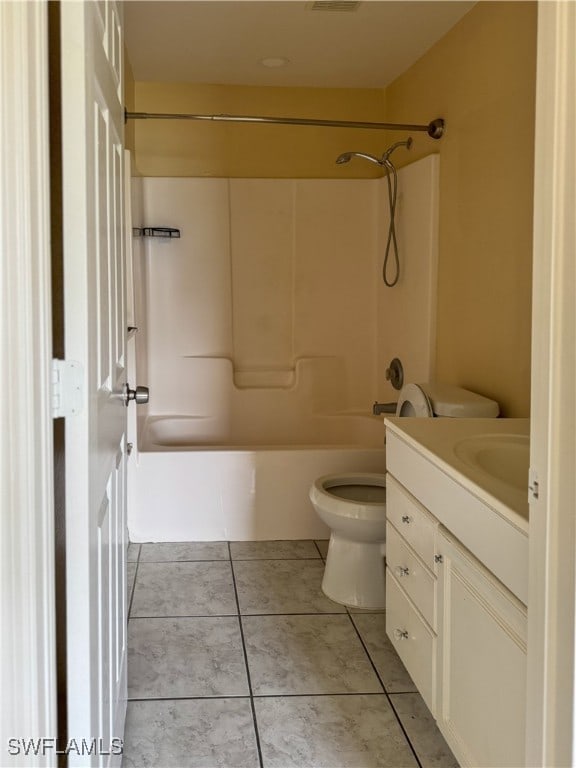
(67, 388)
(533, 485)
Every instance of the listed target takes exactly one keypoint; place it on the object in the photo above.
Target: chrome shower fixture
(407, 144)
(347, 156)
(384, 161)
(392, 181)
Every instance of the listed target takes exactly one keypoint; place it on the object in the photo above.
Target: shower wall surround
(276, 285)
(265, 333)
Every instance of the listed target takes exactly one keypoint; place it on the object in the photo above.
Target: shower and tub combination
(264, 336)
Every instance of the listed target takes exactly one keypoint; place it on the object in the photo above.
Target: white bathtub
(251, 485)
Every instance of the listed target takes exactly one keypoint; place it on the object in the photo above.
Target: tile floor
(238, 660)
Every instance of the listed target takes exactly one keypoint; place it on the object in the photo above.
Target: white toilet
(353, 505)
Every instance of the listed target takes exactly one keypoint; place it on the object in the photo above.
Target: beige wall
(129, 103)
(481, 78)
(182, 148)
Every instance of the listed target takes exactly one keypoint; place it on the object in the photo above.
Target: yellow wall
(481, 78)
(129, 103)
(183, 148)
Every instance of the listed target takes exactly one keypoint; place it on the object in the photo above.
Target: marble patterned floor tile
(329, 731)
(133, 552)
(184, 589)
(130, 577)
(184, 550)
(186, 657)
(271, 550)
(210, 733)
(322, 545)
(306, 655)
(372, 629)
(426, 739)
(282, 586)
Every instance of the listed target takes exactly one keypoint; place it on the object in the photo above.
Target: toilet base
(355, 573)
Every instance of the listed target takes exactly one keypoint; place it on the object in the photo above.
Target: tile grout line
(252, 705)
(233, 559)
(251, 615)
(259, 696)
(133, 590)
(318, 548)
(412, 748)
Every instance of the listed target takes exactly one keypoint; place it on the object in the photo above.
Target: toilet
(353, 504)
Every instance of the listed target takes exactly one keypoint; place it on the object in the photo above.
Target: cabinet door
(481, 662)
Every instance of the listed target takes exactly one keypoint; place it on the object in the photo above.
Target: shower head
(384, 160)
(347, 156)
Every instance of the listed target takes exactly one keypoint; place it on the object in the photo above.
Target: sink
(504, 457)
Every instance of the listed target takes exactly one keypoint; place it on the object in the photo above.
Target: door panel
(95, 326)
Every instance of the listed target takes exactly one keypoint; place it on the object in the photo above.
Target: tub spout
(379, 408)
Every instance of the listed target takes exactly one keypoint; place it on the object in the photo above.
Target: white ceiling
(222, 41)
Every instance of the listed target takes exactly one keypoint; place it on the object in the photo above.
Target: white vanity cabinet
(459, 630)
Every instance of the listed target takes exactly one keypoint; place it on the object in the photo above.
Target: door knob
(140, 395)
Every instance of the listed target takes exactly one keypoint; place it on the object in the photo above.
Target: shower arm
(434, 129)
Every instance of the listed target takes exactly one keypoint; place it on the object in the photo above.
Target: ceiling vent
(338, 6)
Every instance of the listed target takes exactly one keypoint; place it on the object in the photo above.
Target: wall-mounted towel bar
(166, 232)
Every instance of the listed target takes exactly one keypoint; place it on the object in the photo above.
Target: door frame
(551, 692)
(28, 669)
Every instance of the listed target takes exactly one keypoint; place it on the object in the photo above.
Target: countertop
(436, 439)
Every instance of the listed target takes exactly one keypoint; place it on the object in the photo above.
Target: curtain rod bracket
(435, 129)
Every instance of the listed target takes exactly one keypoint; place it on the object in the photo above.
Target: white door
(93, 170)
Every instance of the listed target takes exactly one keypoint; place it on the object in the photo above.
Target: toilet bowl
(353, 505)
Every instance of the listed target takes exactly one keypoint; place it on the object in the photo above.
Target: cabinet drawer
(413, 640)
(411, 520)
(413, 577)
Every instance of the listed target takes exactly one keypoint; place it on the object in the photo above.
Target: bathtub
(191, 480)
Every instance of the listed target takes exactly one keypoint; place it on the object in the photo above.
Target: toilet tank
(455, 402)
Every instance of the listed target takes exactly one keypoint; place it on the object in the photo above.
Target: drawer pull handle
(401, 634)
(401, 571)
(406, 519)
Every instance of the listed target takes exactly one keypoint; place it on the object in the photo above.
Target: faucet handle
(395, 374)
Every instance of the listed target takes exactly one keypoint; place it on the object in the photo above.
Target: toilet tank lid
(455, 402)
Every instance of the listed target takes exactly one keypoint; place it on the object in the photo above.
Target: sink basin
(504, 457)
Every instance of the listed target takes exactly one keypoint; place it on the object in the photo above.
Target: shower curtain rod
(435, 129)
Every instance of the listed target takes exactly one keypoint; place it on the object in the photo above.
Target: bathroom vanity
(457, 576)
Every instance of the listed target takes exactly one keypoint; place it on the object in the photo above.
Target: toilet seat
(358, 509)
(416, 399)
